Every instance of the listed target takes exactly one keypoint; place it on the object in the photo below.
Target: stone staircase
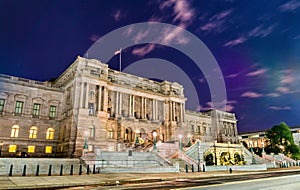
(198, 147)
(142, 162)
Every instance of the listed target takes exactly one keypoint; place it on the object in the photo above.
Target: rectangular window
(31, 149)
(12, 148)
(52, 112)
(36, 110)
(2, 101)
(48, 149)
(19, 107)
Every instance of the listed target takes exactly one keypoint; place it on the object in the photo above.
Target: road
(266, 181)
(274, 183)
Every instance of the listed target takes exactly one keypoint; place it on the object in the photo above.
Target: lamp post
(137, 142)
(189, 140)
(85, 146)
(154, 140)
(1, 144)
(263, 147)
(180, 145)
(252, 152)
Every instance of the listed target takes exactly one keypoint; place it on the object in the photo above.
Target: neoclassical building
(91, 106)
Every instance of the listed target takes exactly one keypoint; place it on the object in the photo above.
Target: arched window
(33, 132)
(15, 131)
(50, 134)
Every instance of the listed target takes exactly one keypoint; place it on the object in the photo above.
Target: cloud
(261, 31)
(250, 94)
(94, 37)
(277, 108)
(210, 105)
(143, 50)
(287, 79)
(183, 13)
(118, 15)
(283, 89)
(289, 6)
(235, 42)
(217, 22)
(274, 94)
(234, 75)
(257, 72)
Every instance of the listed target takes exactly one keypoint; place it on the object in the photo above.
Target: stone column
(142, 108)
(132, 112)
(117, 104)
(145, 107)
(99, 98)
(129, 105)
(153, 109)
(105, 99)
(181, 112)
(120, 103)
(87, 97)
(81, 95)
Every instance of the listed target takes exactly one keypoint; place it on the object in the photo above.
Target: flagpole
(120, 63)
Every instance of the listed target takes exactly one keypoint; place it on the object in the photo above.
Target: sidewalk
(34, 182)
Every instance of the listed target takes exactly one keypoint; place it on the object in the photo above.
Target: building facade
(92, 106)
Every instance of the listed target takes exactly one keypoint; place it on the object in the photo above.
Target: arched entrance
(209, 159)
(225, 158)
(128, 134)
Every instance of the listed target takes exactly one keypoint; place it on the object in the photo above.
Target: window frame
(18, 108)
(15, 130)
(50, 133)
(33, 131)
(2, 104)
(36, 109)
(52, 112)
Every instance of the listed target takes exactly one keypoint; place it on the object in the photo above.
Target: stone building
(92, 106)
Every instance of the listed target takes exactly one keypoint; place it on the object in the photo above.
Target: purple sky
(256, 45)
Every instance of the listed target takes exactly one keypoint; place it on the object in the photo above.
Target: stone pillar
(99, 98)
(132, 112)
(105, 99)
(173, 111)
(117, 104)
(145, 108)
(129, 105)
(120, 103)
(142, 108)
(81, 95)
(181, 113)
(87, 96)
(153, 109)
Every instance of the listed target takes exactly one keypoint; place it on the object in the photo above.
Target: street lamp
(189, 140)
(137, 137)
(251, 148)
(180, 145)
(154, 140)
(263, 147)
(1, 144)
(85, 146)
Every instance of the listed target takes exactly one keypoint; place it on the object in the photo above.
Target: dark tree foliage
(281, 141)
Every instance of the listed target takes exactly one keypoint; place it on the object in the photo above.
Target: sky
(256, 45)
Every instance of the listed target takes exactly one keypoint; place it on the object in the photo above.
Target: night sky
(255, 43)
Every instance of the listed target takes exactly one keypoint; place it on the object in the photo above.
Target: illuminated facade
(94, 107)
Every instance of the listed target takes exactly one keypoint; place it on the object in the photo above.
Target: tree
(280, 140)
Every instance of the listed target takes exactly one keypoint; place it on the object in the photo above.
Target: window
(31, 149)
(12, 148)
(33, 132)
(111, 134)
(19, 107)
(2, 101)
(48, 149)
(92, 132)
(15, 131)
(36, 110)
(50, 133)
(91, 148)
(91, 109)
(52, 112)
